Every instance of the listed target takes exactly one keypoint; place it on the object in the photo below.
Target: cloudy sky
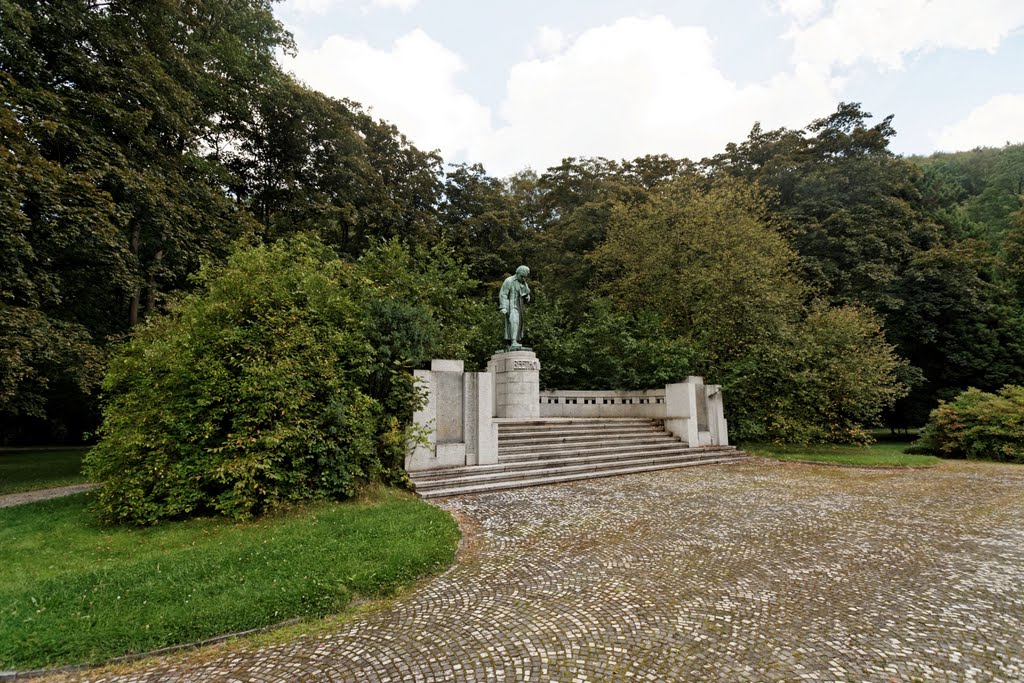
(526, 83)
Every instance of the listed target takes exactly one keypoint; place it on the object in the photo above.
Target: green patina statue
(513, 295)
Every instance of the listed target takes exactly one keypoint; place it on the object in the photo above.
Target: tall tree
(708, 261)
(111, 200)
(481, 221)
(843, 200)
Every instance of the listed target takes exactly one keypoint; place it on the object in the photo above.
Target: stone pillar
(481, 432)
(487, 430)
(516, 384)
(717, 424)
(681, 412)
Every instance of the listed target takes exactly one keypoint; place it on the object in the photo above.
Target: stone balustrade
(561, 403)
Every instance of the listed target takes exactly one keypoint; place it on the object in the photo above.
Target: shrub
(978, 425)
(284, 378)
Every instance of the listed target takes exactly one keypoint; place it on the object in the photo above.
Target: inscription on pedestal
(526, 365)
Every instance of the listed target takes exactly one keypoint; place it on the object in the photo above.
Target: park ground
(764, 570)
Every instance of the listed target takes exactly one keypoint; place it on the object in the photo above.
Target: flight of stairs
(549, 451)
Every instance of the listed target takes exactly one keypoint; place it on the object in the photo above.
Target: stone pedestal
(516, 384)
(457, 419)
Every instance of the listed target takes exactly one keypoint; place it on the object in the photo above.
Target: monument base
(516, 384)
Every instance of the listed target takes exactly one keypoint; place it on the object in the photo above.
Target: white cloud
(322, 7)
(404, 5)
(548, 42)
(800, 10)
(639, 86)
(311, 6)
(412, 85)
(885, 31)
(993, 124)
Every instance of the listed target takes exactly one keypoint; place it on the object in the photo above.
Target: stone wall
(457, 420)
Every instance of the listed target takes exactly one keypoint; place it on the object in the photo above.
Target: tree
(843, 200)
(707, 261)
(480, 220)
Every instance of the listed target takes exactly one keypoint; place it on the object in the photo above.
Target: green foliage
(605, 348)
(143, 139)
(48, 369)
(978, 425)
(707, 262)
(29, 470)
(874, 455)
(843, 200)
(481, 220)
(831, 377)
(285, 378)
(434, 280)
(100, 593)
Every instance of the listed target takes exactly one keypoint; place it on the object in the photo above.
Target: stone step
(620, 432)
(545, 451)
(502, 467)
(581, 430)
(549, 452)
(556, 467)
(549, 421)
(573, 440)
(541, 479)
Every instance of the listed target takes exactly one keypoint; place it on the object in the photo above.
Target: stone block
(441, 365)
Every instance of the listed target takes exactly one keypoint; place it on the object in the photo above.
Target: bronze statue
(513, 295)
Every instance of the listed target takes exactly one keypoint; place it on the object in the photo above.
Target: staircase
(535, 452)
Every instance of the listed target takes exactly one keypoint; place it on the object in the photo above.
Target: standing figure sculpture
(513, 295)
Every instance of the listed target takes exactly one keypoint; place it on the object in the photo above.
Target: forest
(827, 283)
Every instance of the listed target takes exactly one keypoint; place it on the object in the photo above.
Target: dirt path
(42, 494)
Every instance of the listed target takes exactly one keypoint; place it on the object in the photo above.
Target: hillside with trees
(827, 283)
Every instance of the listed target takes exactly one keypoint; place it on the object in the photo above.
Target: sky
(516, 85)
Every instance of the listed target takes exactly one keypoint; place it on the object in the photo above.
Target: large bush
(978, 425)
(283, 378)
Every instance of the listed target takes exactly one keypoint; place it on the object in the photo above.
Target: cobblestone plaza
(759, 571)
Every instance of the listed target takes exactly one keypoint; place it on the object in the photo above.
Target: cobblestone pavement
(760, 571)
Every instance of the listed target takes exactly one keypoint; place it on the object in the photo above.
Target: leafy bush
(829, 376)
(283, 379)
(601, 347)
(978, 425)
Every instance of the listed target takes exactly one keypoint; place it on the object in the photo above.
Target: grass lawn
(27, 470)
(876, 455)
(74, 592)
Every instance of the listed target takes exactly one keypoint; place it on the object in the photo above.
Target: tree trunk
(151, 289)
(133, 308)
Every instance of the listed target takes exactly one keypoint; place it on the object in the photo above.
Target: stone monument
(516, 370)
(512, 297)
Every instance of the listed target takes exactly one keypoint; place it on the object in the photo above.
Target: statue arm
(503, 297)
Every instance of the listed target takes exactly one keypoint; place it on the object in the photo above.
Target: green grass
(29, 470)
(73, 592)
(876, 455)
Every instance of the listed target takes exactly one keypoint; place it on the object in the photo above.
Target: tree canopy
(819, 276)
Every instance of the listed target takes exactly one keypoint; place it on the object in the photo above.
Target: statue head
(522, 272)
